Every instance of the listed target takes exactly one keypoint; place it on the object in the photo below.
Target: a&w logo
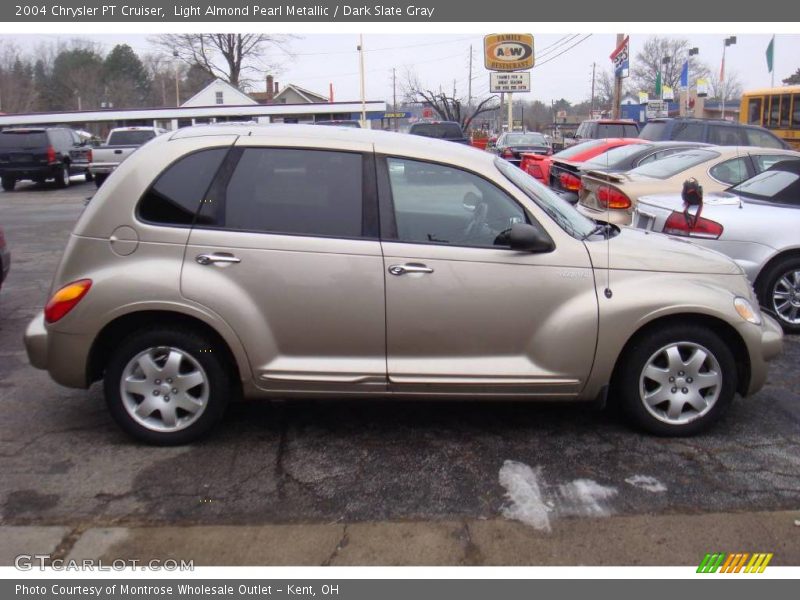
(740, 562)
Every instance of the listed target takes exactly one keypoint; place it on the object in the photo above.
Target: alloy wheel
(680, 383)
(786, 297)
(164, 389)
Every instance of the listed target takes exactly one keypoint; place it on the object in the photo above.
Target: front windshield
(519, 139)
(561, 211)
(616, 155)
(672, 165)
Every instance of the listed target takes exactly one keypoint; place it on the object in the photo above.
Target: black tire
(9, 183)
(99, 179)
(650, 348)
(62, 176)
(774, 278)
(203, 351)
(88, 175)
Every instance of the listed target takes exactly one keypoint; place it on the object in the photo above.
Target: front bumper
(763, 350)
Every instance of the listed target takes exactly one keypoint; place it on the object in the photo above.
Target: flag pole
(773, 62)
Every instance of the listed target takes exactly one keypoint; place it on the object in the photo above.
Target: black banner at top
(400, 11)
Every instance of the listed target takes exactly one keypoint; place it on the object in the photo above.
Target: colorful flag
(771, 54)
(685, 75)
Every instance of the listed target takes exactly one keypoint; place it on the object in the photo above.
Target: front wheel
(167, 387)
(780, 293)
(676, 380)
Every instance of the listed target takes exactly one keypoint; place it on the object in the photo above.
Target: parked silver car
(756, 223)
(292, 261)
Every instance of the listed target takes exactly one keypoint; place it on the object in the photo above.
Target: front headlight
(747, 311)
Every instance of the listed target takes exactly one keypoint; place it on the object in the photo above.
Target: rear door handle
(217, 257)
(409, 268)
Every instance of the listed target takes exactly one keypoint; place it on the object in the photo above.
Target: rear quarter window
(175, 196)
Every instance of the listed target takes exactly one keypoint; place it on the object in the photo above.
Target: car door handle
(207, 259)
(409, 268)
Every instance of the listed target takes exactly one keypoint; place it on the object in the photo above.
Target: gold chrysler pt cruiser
(220, 262)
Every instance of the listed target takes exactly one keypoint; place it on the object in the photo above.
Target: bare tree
(232, 57)
(664, 55)
(447, 107)
(17, 91)
(733, 86)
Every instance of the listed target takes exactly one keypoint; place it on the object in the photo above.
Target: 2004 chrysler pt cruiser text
(285, 262)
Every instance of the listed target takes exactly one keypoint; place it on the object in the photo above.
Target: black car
(711, 131)
(41, 153)
(440, 130)
(565, 176)
(511, 146)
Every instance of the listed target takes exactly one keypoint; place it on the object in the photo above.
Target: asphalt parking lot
(63, 460)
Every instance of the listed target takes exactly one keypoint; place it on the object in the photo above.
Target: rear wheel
(62, 177)
(9, 183)
(677, 380)
(780, 293)
(167, 387)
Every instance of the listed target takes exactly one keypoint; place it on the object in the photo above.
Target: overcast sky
(564, 65)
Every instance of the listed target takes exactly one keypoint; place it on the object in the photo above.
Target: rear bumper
(31, 172)
(102, 168)
(44, 346)
(615, 217)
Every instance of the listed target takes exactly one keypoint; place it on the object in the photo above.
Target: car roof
(383, 141)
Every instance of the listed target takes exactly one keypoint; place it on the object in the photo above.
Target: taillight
(569, 182)
(507, 153)
(534, 170)
(65, 299)
(678, 224)
(51, 154)
(89, 155)
(610, 197)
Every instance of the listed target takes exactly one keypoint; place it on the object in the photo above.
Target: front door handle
(409, 268)
(217, 257)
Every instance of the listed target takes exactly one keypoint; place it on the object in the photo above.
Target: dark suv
(440, 130)
(42, 153)
(710, 131)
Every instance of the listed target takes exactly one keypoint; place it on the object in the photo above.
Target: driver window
(437, 204)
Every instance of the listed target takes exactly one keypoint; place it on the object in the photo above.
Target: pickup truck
(120, 144)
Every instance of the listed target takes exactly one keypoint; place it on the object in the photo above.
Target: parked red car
(538, 165)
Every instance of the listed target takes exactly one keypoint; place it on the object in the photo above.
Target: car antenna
(607, 292)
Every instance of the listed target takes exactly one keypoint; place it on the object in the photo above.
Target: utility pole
(594, 65)
(454, 89)
(177, 83)
(617, 84)
(394, 95)
(469, 85)
(361, 79)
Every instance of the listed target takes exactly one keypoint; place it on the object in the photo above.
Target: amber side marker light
(65, 299)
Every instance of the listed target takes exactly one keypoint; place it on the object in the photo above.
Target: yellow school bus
(777, 109)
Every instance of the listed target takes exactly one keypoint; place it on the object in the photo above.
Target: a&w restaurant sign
(508, 51)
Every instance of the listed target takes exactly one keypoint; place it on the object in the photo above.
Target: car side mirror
(530, 238)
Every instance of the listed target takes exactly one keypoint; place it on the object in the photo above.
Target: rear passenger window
(688, 132)
(305, 192)
(724, 135)
(731, 171)
(176, 195)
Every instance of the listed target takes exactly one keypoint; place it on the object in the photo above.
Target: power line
(539, 64)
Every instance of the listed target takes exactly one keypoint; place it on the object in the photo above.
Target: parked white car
(756, 223)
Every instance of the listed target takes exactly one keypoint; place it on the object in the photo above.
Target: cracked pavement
(65, 463)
